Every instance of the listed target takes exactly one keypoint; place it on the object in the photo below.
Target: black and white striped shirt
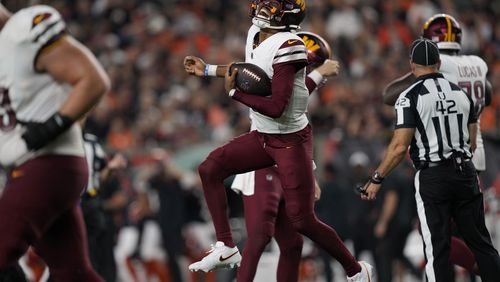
(441, 112)
(96, 161)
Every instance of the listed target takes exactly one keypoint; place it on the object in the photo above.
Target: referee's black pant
(442, 194)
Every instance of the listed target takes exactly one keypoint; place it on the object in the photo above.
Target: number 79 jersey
(469, 72)
(27, 94)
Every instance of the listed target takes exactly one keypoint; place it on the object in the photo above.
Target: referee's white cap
(424, 52)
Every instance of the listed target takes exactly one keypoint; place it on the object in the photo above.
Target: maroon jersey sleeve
(290, 57)
(310, 84)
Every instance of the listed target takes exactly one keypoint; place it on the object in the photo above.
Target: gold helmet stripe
(448, 23)
(427, 23)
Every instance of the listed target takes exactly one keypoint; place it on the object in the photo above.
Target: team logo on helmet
(444, 30)
(318, 50)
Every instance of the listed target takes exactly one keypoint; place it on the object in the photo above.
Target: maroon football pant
(265, 217)
(40, 207)
(292, 153)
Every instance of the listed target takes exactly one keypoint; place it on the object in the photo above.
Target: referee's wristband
(210, 70)
(376, 178)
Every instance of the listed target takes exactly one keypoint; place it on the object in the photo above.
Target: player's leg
(15, 231)
(31, 201)
(434, 212)
(261, 210)
(293, 157)
(64, 249)
(290, 245)
(242, 154)
(469, 218)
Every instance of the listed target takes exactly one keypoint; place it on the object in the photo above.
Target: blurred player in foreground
(282, 136)
(261, 190)
(48, 81)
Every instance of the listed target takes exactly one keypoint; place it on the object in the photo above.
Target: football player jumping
(265, 215)
(48, 81)
(281, 136)
(467, 71)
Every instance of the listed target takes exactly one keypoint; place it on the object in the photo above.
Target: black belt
(424, 165)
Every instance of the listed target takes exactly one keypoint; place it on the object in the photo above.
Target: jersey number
(476, 89)
(446, 107)
(7, 115)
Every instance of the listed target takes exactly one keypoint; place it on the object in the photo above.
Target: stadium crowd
(160, 117)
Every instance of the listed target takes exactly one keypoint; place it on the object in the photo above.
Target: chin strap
(265, 24)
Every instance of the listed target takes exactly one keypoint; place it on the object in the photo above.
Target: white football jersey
(245, 183)
(267, 54)
(469, 72)
(25, 93)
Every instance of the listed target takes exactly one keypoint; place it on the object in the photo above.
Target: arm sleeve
(313, 79)
(281, 89)
(290, 57)
(488, 91)
(310, 84)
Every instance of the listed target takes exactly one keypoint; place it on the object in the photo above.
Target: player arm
(472, 124)
(290, 58)
(196, 66)
(396, 150)
(72, 63)
(488, 93)
(395, 87)
(69, 62)
(406, 120)
(4, 15)
(281, 89)
(319, 74)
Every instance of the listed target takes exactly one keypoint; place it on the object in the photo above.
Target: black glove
(38, 134)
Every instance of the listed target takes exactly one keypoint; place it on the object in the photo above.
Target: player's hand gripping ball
(251, 79)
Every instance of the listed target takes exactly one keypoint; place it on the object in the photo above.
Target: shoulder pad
(35, 25)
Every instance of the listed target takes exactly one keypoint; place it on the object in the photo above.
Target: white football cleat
(366, 274)
(219, 256)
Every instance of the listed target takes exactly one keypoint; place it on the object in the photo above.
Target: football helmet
(278, 14)
(318, 50)
(445, 31)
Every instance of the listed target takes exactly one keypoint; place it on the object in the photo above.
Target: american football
(318, 49)
(251, 79)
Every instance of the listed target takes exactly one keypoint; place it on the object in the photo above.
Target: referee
(436, 119)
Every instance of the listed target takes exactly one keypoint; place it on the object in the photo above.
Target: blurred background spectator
(155, 104)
